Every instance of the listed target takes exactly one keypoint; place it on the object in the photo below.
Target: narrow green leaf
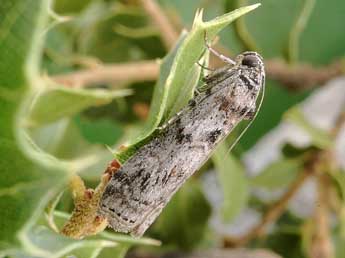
(187, 92)
(193, 47)
(278, 174)
(158, 103)
(232, 179)
(319, 137)
(56, 102)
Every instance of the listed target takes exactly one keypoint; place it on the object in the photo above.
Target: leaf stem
(129, 72)
(243, 32)
(168, 33)
(296, 32)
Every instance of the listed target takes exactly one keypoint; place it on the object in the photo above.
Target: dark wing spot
(225, 105)
(188, 137)
(246, 82)
(213, 136)
(243, 111)
(140, 172)
(165, 178)
(145, 182)
(179, 135)
(192, 103)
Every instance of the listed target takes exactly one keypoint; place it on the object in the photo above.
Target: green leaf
(232, 179)
(28, 178)
(101, 131)
(56, 102)
(186, 93)
(319, 137)
(175, 73)
(291, 151)
(278, 174)
(184, 220)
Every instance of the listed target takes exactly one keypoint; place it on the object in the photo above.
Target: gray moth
(141, 188)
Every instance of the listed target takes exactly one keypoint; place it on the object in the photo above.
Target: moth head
(251, 60)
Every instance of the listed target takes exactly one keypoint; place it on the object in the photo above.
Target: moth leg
(204, 67)
(220, 56)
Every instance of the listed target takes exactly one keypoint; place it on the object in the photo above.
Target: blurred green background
(77, 79)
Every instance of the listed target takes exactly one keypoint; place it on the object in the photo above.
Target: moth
(141, 188)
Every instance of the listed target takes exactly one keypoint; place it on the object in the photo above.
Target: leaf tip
(198, 17)
(250, 8)
(253, 6)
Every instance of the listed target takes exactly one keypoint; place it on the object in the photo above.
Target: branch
(339, 122)
(167, 31)
(321, 244)
(128, 72)
(303, 76)
(299, 77)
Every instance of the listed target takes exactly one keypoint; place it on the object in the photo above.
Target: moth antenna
(219, 55)
(251, 121)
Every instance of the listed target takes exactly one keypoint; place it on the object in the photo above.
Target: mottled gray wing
(142, 187)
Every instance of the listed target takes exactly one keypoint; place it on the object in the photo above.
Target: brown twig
(299, 77)
(276, 209)
(339, 122)
(321, 244)
(302, 76)
(167, 31)
(128, 72)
